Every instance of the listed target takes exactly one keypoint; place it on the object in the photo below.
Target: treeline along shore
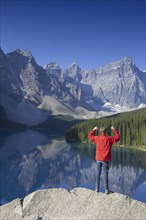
(131, 126)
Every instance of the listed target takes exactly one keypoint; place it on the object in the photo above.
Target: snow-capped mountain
(115, 87)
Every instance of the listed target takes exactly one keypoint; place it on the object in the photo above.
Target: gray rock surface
(79, 203)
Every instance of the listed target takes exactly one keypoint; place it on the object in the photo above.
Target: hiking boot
(107, 192)
(96, 190)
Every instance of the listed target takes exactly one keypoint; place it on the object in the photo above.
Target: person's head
(102, 130)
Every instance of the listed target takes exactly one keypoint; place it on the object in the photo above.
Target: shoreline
(141, 148)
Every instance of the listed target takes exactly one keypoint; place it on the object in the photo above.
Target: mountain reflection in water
(32, 160)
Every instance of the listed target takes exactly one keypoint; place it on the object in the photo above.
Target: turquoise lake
(32, 160)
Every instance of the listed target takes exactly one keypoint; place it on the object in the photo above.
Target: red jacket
(104, 144)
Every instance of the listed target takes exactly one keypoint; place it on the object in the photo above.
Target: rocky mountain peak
(74, 66)
(21, 56)
(2, 57)
(52, 65)
(26, 53)
(125, 61)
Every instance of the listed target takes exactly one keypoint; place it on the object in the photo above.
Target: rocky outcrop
(79, 203)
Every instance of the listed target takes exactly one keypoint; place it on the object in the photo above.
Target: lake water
(32, 160)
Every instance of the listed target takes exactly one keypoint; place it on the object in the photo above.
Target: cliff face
(79, 203)
(8, 79)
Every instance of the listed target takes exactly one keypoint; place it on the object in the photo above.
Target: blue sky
(89, 32)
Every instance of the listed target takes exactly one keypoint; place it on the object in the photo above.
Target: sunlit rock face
(119, 83)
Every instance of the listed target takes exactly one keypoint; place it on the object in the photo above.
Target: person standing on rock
(103, 153)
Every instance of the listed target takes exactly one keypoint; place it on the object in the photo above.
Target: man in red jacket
(103, 153)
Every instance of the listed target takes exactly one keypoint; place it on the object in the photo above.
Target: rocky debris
(79, 204)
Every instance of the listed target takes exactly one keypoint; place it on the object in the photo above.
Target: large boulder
(79, 203)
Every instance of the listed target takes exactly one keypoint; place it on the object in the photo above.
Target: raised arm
(116, 137)
(91, 135)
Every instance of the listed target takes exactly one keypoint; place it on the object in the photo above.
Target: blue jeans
(102, 165)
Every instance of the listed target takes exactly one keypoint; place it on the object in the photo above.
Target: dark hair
(102, 130)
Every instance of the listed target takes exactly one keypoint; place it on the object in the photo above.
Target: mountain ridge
(114, 87)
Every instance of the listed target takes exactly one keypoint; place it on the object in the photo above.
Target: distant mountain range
(30, 94)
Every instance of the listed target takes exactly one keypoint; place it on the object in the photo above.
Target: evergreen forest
(131, 126)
